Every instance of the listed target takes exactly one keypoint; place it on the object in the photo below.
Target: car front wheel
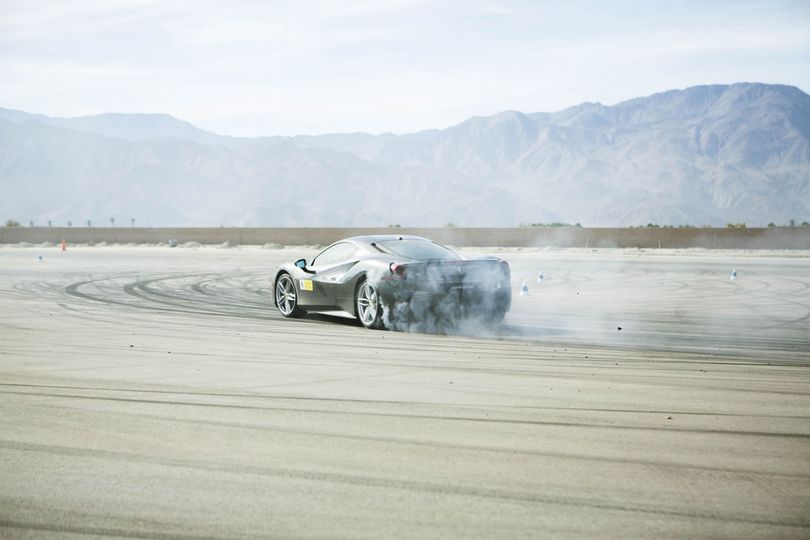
(287, 297)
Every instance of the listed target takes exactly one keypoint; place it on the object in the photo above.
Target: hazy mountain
(704, 155)
(138, 127)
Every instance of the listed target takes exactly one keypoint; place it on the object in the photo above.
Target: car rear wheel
(368, 306)
(495, 317)
(287, 297)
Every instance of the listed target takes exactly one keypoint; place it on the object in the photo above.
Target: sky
(264, 67)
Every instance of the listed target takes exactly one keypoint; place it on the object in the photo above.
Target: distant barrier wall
(754, 238)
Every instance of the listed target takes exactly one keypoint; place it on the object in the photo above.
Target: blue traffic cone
(524, 289)
(733, 273)
(540, 277)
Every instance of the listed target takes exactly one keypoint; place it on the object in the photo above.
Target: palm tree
(112, 222)
(132, 222)
(89, 223)
(70, 224)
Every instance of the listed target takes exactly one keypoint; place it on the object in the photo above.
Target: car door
(320, 288)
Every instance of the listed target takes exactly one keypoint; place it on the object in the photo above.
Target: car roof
(373, 238)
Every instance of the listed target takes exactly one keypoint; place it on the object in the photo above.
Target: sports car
(387, 280)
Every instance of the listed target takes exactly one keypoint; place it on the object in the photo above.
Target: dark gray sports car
(389, 280)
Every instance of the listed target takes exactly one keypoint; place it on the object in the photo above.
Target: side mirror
(302, 264)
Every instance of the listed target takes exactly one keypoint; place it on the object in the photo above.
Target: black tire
(286, 297)
(495, 317)
(367, 305)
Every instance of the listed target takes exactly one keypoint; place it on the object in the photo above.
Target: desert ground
(155, 392)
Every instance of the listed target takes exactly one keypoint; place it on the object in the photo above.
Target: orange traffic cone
(64, 246)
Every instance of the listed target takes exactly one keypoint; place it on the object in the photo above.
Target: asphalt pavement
(150, 392)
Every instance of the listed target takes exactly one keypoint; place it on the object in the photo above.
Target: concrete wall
(770, 238)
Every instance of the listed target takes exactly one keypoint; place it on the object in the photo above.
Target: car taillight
(397, 270)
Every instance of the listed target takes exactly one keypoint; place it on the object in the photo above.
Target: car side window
(335, 254)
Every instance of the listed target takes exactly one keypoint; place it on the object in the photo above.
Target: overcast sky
(271, 67)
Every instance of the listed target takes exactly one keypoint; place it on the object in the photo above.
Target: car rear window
(418, 249)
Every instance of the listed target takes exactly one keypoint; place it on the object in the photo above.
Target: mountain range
(705, 155)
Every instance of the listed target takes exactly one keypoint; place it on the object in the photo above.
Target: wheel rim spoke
(367, 303)
(285, 295)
